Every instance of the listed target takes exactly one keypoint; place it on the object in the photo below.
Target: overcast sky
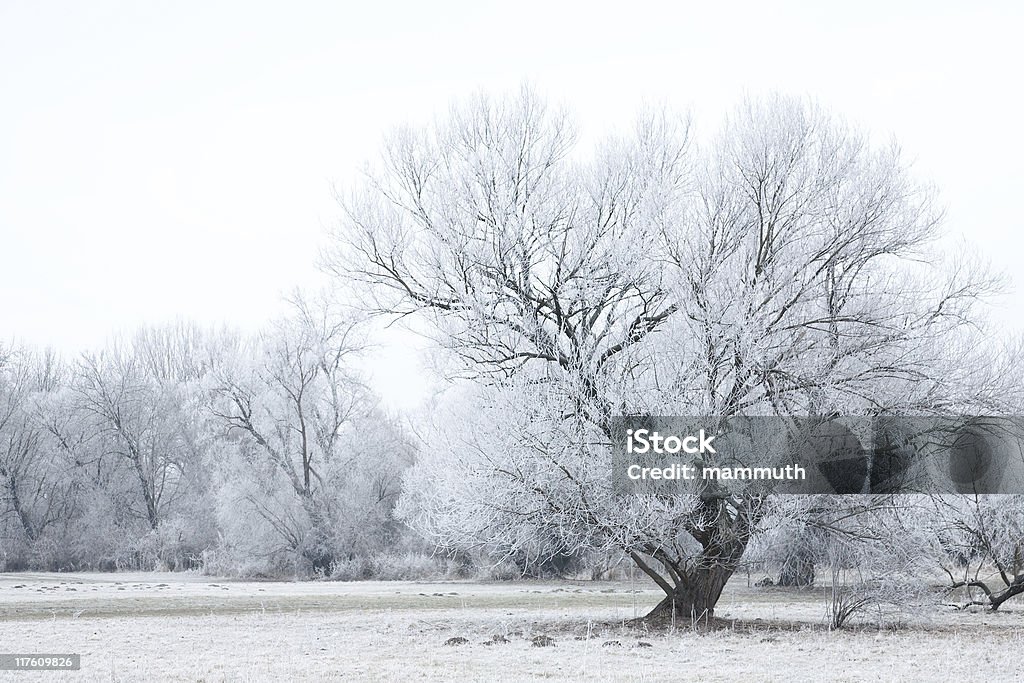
(166, 160)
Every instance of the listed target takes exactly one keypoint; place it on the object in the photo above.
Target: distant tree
(978, 541)
(138, 414)
(316, 460)
(35, 489)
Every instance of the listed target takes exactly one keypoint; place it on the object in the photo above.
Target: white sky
(164, 160)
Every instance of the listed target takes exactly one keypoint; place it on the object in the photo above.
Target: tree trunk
(1015, 588)
(692, 601)
(26, 523)
(797, 571)
(318, 550)
(693, 584)
(152, 514)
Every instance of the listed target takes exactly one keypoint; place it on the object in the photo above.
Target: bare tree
(786, 269)
(978, 541)
(294, 399)
(36, 489)
(140, 398)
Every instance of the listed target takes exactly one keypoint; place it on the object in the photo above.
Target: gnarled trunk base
(692, 602)
(693, 584)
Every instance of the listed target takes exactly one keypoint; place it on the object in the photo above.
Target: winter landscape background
(317, 325)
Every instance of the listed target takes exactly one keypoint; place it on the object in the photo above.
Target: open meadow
(181, 627)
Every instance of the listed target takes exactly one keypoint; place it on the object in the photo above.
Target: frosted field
(154, 627)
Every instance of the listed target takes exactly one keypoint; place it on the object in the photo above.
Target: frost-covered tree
(36, 490)
(978, 541)
(786, 268)
(103, 458)
(144, 415)
(314, 467)
(128, 425)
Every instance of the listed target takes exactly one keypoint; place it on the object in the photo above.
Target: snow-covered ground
(153, 627)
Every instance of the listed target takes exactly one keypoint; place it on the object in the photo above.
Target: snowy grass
(155, 627)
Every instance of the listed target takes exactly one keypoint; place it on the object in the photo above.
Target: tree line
(181, 447)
